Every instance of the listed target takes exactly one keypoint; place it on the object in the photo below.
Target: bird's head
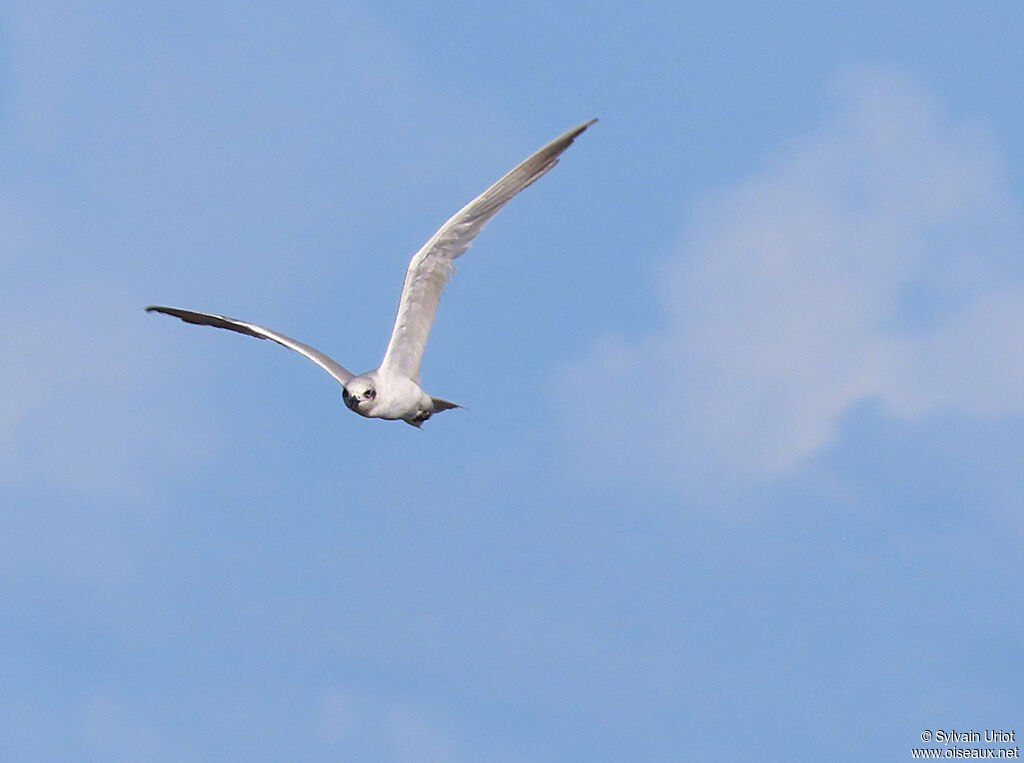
(360, 394)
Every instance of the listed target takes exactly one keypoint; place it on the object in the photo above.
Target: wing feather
(432, 265)
(251, 329)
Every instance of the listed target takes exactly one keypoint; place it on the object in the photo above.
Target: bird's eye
(369, 394)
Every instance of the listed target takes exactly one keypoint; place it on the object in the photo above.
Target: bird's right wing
(251, 329)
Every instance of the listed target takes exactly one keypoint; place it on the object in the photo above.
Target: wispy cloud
(876, 257)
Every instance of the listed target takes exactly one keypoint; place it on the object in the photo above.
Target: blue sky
(739, 471)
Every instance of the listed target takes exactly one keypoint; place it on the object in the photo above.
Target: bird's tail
(443, 405)
(438, 405)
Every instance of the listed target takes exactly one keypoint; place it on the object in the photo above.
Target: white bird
(392, 390)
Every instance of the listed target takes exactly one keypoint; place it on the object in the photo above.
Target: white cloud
(877, 257)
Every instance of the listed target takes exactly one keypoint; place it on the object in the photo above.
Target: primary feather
(330, 365)
(432, 265)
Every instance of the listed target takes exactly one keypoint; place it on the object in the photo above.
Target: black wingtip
(584, 126)
(567, 138)
(163, 310)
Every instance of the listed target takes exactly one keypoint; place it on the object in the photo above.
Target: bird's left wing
(251, 329)
(432, 265)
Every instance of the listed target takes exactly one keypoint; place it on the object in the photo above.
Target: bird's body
(382, 395)
(392, 390)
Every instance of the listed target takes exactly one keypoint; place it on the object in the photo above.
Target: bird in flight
(392, 391)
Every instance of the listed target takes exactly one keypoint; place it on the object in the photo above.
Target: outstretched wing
(432, 265)
(251, 329)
